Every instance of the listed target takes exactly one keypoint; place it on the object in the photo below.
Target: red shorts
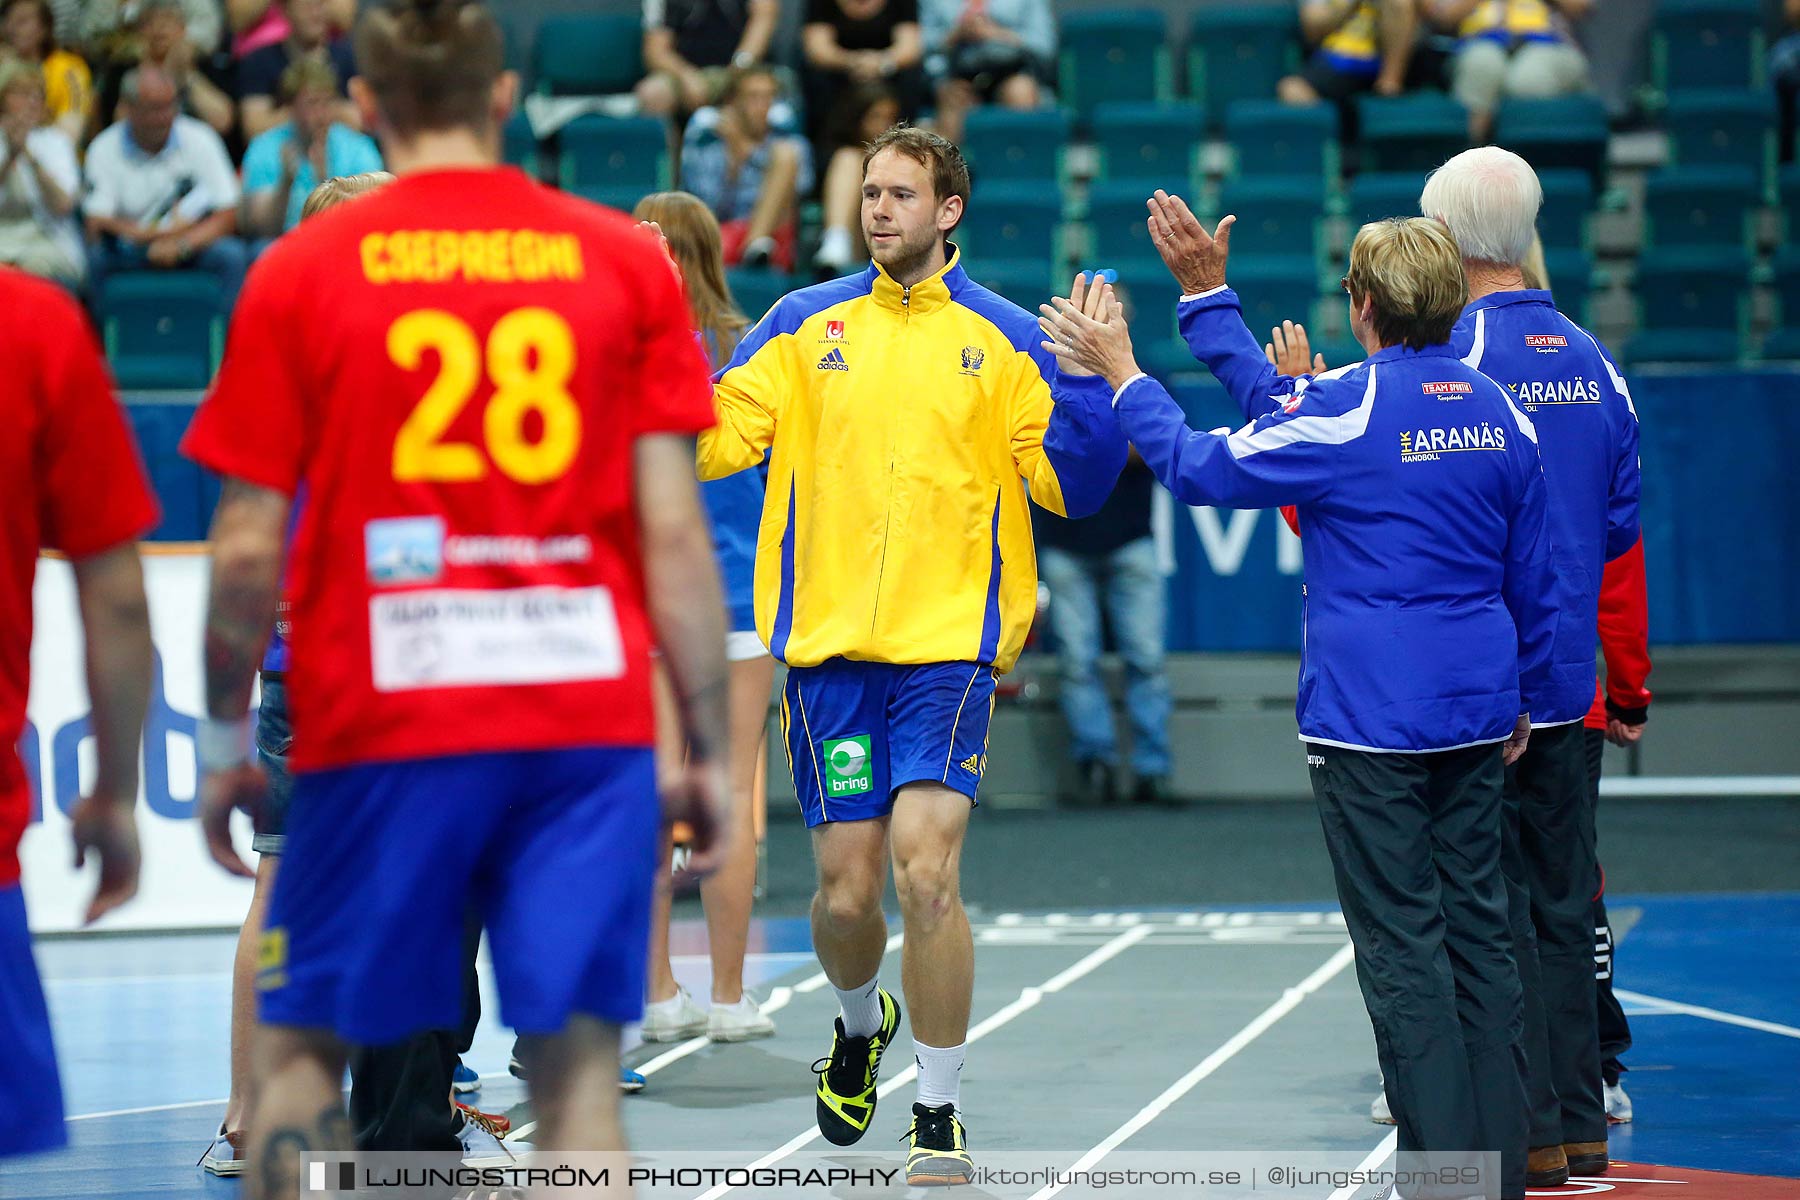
(735, 233)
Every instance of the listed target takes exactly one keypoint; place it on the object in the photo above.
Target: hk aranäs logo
(1426, 445)
(1533, 393)
(848, 769)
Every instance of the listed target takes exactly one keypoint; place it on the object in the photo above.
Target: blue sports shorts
(556, 849)
(34, 1120)
(857, 732)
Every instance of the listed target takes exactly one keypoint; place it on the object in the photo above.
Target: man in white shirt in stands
(161, 191)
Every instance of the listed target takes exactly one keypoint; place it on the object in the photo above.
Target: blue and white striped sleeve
(1285, 457)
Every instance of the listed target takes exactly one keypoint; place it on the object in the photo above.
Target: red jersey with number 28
(454, 369)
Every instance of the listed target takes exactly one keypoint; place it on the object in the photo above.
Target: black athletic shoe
(938, 1157)
(847, 1079)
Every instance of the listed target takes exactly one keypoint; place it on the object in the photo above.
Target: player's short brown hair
(339, 188)
(937, 154)
(1411, 269)
(431, 63)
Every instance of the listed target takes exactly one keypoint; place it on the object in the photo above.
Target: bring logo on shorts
(848, 769)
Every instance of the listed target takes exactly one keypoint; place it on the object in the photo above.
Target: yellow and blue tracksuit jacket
(905, 428)
(1513, 21)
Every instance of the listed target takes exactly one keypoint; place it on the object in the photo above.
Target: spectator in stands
(259, 75)
(987, 51)
(1357, 46)
(869, 110)
(29, 31)
(855, 43)
(161, 192)
(750, 174)
(109, 28)
(689, 45)
(162, 42)
(1784, 72)
(259, 23)
(284, 165)
(39, 183)
(1510, 48)
(1100, 570)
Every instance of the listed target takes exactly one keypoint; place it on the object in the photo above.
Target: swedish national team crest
(973, 357)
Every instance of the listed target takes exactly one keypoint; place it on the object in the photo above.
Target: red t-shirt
(453, 371)
(70, 480)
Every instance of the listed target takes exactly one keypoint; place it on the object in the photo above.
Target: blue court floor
(1105, 1008)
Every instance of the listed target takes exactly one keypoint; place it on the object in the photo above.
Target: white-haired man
(1588, 440)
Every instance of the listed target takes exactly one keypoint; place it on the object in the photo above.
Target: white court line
(1029, 998)
(1710, 1014)
(1263, 1021)
(1370, 1161)
(1700, 785)
(132, 1112)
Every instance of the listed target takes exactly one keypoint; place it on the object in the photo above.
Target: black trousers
(400, 1093)
(1615, 1030)
(1552, 876)
(1415, 845)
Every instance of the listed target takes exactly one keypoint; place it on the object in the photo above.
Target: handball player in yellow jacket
(908, 416)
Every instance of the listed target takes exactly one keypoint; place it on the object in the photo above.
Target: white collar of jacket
(927, 295)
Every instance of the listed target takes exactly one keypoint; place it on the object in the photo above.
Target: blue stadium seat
(1275, 215)
(1272, 138)
(595, 54)
(1571, 278)
(1681, 346)
(1693, 289)
(1239, 51)
(1118, 229)
(1564, 132)
(1375, 196)
(1707, 44)
(1788, 192)
(623, 197)
(519, 145)
(1113, 55)
(1155, 143)
(756, 291)
(614, 152)
(1414, 132)
(1013, 220)
(1568, 201)
(1700, 206)
(1151, 295)
(1274, 288)
(162, 329)
(1026, 282)
(1002, 143)
(1720, 127)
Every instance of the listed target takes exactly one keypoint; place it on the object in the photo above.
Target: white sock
(671, 1005)
(862, 1009)
(940, 1074)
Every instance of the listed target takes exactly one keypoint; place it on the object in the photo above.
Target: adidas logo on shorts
(972, 764)
(834, 361)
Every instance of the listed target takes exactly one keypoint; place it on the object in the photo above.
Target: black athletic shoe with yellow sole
(846, 1095)
(938, 1157)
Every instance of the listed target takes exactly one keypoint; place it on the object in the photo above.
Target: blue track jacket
(1429, 616)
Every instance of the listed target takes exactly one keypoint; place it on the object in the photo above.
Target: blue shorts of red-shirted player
(34, 1095)
(556, 849)
(858, 731)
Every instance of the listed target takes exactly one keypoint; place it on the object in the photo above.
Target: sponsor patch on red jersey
(1447, 387)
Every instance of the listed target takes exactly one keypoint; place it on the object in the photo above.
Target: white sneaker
(673, 1020)
(1378, 1109)
(1618, 1104)
(481, 1147)
(740, 1022)
(225, 1156)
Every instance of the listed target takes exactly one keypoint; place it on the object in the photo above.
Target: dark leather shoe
(1586, 1158)
(1547, 1167)
(1152, 791)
